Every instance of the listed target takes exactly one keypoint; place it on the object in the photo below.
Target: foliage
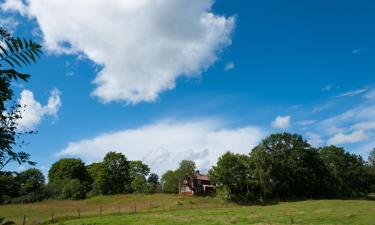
(139, 184)
(116, 177)
(18, 52)
(68, 168)
(73, 189)
(96, 173)
(285, 166)
(31, 181)
(153, 178)
(68, 178)
(9, 187)
(170, 181)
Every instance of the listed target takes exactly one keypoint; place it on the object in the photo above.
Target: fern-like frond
(18, 52)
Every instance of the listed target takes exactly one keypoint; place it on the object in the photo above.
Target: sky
(166, 80)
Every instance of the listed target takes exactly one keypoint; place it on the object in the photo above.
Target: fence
(63, 213)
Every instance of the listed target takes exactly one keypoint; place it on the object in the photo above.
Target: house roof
(202, 177)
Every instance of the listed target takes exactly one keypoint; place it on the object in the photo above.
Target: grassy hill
(172, 209)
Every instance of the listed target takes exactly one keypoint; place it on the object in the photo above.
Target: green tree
(186, 168)
(96, 173)
(9, 187)
(68, 168)
(139, 184)
(153, 178)
(349, 175)
(66, 176)
(116, 175)
(231, 174)
(31, 181)
(287, 166)
(18, 52)
(170, 181)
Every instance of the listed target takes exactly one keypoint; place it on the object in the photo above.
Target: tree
(186, 168)
(116, 174)
(96, 173)
(287, 166)
(66, 176)
(18, 52)
(31, 181)
(170, 181)
(138, 170)
(231, 174)
(349, 176)
(139, 184)
(153, 178)
(68, 168)
(9, 187)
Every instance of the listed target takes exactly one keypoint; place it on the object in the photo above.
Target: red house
(198, 184)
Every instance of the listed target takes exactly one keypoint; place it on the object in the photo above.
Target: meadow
(173, 209)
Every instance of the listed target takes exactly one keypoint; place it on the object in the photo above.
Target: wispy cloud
(357, 51)
(352, 93)
(229, 66)
(281, 122)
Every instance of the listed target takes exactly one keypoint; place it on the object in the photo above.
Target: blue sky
(165, 80)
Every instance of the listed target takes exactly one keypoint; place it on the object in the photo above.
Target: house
(198, 184)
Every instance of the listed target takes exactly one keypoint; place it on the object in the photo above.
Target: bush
(28, 198)
(73, 189)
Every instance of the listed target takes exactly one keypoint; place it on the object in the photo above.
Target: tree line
(70, 178)
(285, 166)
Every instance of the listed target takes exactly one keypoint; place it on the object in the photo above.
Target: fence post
(79, 213)
(100, 211)
(135, 208)
(149, 209)
(52, 217)
(119, 209)
(24, 220)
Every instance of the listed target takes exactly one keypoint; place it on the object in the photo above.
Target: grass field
(172, 209)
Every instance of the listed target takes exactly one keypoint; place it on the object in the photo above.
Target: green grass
(173, 209)
(305, 212)
(40, 212)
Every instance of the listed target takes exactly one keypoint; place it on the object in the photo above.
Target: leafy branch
(18, 52)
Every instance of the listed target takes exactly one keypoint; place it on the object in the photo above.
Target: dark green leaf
(15, 61)
(9, 62)
(9, 46)
(20, 43)
(24, 57)
(3, 49)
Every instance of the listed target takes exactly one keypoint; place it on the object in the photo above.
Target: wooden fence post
(79, 213)
(149, 208)
(119, 209)
(52, 217)
(100, 211)
(24, 220)
(135, 208)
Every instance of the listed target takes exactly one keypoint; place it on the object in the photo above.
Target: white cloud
(34, 111)
(229, 66)
(354, 137)
(314, 139)
(306, 122)
(143, 46)
(281, 122)
(14, 5)
(352, 93)
(327, 88)
(164, 144)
